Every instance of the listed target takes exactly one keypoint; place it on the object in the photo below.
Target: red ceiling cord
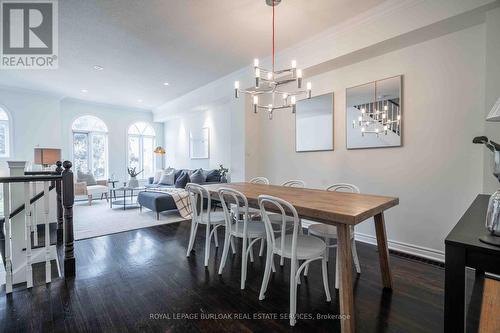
(273, 36)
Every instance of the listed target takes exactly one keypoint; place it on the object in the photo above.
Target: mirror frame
(333, 126)
(401, 103)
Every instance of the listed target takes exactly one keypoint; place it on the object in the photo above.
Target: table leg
(124, 199)
(383, 251)
(111, 199)
(345, 291)
(454, 289)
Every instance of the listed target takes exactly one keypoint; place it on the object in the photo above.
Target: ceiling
(188, 43)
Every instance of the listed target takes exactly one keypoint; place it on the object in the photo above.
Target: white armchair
(92, 191)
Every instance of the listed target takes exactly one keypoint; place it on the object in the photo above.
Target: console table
(464, 249)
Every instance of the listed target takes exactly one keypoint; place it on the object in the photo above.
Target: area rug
(99, 220)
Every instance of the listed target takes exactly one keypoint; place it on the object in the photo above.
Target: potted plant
(223, 173)
(133, 182)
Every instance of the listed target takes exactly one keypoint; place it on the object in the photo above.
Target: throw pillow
(182, 180)
(167, 178)
(197, 177)
(87, 178)
(157, 176)
(213, 176)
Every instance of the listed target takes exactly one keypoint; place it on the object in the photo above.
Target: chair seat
(252, 211)
(215, 218)
(307, 247)
(96, 189)
(255, 229)
(324, 230)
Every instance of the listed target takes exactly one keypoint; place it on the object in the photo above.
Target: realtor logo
(29, 34)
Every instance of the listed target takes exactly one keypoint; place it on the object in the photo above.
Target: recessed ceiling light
(139, 100)
(98, 68)
(165, 83)
(84, 91)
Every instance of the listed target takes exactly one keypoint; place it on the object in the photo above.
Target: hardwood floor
(139, 280)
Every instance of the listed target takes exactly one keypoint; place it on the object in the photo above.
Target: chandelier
(270, 82)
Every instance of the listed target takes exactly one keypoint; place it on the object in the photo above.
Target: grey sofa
(158, 201)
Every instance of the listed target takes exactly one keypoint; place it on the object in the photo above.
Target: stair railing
(62, 181)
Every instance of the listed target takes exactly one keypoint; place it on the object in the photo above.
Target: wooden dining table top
(319, 205)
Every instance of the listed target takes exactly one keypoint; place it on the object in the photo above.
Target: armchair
(92, 191)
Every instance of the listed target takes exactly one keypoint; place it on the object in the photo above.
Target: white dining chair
(198, 195)
(276, 220)
(253, 211)
(329, 232)
(239, 225)
(295, 247)
(259, 180)
(294, 183)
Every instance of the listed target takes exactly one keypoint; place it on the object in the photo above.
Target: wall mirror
(199, 143)
(314, 124)
(374, 114)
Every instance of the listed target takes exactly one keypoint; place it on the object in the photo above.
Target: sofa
(154, 199)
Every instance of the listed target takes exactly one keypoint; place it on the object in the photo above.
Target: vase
(133, 182)
(223, 179)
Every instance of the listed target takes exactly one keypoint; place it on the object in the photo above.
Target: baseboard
(415, 250)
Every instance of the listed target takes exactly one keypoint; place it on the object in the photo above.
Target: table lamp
(47, 156)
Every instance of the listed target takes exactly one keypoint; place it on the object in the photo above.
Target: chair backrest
(231, 198)
(197, 194)
(285, 209)
(294, 183)
(260, 180)
(343, 187)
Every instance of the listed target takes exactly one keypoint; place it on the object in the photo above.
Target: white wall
(437, 172)
(118, 119)
(492, 92)
(217, 118)
(35, 120)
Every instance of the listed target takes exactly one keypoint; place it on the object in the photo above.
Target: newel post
(68, 200)
(60, 228)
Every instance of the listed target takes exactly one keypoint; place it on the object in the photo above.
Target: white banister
(28, 223)
(8, 244)
(46, 196)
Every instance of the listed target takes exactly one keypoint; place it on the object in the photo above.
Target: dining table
(340, 209)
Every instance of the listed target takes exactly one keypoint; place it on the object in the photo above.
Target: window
(141, 145)
(4, 134)
(90, 146)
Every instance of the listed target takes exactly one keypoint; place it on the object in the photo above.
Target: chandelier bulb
(294, 64)
(269, 76)
(256, 63)
(293, 100)
(236, 89)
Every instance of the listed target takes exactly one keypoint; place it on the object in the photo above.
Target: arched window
(90, 146)
(141, 145)
(4, 134)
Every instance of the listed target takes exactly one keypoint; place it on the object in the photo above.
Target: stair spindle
(34, 225)
(28, 221)
(46, 210)
(8, 240)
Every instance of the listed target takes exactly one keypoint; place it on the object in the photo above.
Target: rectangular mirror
(314, 124)
(199, 143)
(374, 114)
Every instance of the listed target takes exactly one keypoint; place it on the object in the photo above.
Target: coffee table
(127, 201)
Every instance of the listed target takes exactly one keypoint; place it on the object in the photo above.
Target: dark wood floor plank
(129, 282)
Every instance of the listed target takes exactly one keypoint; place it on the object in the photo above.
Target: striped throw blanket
(181, 199)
